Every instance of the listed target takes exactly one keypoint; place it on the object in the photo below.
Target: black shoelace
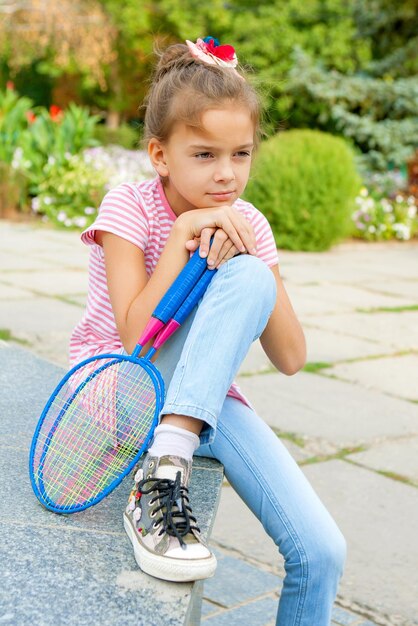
(176, 514)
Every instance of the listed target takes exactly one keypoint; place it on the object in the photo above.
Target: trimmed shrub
(125, 135)
(305, 182)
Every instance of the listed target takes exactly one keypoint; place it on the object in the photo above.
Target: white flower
(363, 192)
(36, 204)
(402, 231)
(371, 229)
(80, 221)
(17, 158)
(399, 199)
(51, 160)
(89, 210)
(412, 211)
(48, 200)
(68, 222)
(386, 205)
(62, 216)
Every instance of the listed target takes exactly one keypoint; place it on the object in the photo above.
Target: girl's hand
(229, 227)
(222, 248)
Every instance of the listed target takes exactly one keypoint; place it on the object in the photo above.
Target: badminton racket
(101, 416)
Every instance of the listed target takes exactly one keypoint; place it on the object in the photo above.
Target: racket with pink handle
(101, 416)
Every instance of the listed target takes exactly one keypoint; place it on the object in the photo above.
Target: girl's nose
(224, 172)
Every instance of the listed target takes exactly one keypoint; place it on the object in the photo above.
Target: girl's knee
(327, 554)
(318, 555)
(254, 277)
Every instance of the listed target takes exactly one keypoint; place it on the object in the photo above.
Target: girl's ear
(156, 154)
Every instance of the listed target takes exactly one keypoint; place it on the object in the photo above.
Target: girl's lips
(222, 195)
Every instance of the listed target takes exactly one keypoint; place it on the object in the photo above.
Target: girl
(201, 128)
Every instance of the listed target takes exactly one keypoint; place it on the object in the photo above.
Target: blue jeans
(198, 364)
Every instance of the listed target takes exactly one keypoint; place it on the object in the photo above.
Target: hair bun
(174, 56)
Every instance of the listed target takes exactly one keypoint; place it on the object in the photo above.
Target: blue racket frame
(40, 491)
(176, 304)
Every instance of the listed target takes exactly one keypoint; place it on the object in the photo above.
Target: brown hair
(183, 88)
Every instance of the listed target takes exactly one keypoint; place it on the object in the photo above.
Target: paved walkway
(350, 419)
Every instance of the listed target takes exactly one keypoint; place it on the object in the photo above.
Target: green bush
(52, 137)
(13, 190)
(13, 121)
(70, 192)
(305, 183)
(125, 136)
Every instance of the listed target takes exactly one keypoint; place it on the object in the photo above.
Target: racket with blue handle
(101, 416)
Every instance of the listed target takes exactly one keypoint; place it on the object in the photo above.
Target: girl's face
(208, 166)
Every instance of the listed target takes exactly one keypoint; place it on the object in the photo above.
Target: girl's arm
(283, 340)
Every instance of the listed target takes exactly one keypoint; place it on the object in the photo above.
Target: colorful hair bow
(211, 52)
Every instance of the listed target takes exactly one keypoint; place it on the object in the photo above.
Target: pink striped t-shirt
(139, 213)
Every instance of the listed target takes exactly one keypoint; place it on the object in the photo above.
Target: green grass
(315, 366)
(389, 309)
(6, 335)
(399, 477)
(293, 437)
(340, 454)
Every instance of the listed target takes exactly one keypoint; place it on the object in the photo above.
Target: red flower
(226, 53)
(30, 116)
(10, 85)
(55, 112)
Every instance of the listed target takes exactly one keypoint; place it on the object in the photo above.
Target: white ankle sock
(171, 440)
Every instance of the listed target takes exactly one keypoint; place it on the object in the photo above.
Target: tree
(71, 36)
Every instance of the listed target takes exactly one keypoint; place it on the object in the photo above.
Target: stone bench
(77, 569)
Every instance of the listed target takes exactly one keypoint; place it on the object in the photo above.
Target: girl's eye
(203, 155)
(244, 153)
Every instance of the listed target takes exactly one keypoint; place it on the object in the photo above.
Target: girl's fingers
(205, 237)
(240, 232)
(227, 252)
(219, 239)
(192, 244)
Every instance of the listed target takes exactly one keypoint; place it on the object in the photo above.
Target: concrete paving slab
(322, 408)
(255, 361)
(9, 292)
(38, 316)
(348, 296)
(377, 517)
(399, 456)
(42, 248)
(53, 347)
(326, 346)
(398, 330)
(227, 588)
(325, 269)
(352, 262)
(394, 375)
(50, 283)
(309, 305)
(257, 613)
(396, 287)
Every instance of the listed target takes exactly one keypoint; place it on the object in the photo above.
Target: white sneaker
(159, 522)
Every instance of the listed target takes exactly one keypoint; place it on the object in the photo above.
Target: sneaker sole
(167, 568)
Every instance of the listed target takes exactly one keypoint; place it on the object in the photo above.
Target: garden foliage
(380, 117)
(305, 183)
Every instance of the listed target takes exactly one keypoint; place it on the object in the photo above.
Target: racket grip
(194, 296)
(180, 288)
(184, 311)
